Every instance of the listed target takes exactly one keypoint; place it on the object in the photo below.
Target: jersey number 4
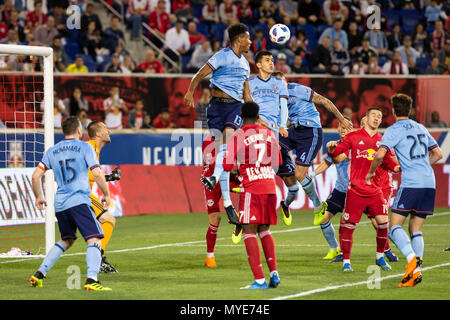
(66, 169)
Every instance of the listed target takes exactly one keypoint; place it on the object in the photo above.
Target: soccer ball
(279, 33)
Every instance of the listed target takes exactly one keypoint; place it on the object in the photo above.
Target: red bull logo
(367, 154)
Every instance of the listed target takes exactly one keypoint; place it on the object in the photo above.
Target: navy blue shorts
(305, 141)
(287, 168)
(415, 201)
(81, 217)
(222, 113)
(336, 201)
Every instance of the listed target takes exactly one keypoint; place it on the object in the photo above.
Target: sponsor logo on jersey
(265, 172)
(367, 154)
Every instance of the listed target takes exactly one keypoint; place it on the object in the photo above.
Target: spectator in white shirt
(177, 40)
(395, 66)
(200, 56)
(114, 108)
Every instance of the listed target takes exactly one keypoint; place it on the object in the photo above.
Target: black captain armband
(115, 175)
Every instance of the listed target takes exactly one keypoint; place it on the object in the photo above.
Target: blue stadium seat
(197, 11)
(311, 35)
(89, 62)
(263, 27)
(392, 16)
(321, 28)
(72, 49)
(409, 20)
(218, 29)
(105, 60)
(422, 64)
(430, 29)
(203, 29)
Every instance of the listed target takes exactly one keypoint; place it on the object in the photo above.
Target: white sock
(93, 278)
(210, 254)
(346, 261)
(227, 203)
(410, 256)
(260, 281)
(272, 273)
(379, 255)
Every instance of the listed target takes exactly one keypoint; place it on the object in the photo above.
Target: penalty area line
(354, 284)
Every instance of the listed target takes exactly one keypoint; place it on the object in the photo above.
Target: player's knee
(97, 241)
(68, 243)
(214, 218)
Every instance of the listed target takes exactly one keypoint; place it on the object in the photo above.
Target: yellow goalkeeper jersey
(97, 152)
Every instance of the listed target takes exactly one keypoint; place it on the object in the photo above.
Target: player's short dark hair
(92, 128)
(235, 30)
(250, 110)
(373, 108)
(402, 104)
(70, 125)
(260, 54)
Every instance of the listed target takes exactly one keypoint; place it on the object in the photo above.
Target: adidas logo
(401, 206)
(361, 142)
(253, 218)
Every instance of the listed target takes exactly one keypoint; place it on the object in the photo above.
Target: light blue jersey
(70, 161)
(267, 94)
(342, 174)
(411, 142)
(229, 72)
(302, 110)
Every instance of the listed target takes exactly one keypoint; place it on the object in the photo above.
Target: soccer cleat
(274, 280)
(287, 217)
(37, 280)
(332, 253)
(415, 279)
(237, 190)
(383, 264)
(319, 215)
(410, 267)
(347, 268)
(390, 255)
(106, 267)
(236, 236)
(447, 249)
(232, 215)
(339, 258)
(210, 262)
(256, 286)
(92, 285)
(209, 182)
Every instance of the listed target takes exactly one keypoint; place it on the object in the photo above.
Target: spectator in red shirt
(194, 35)
(150, 65)
(3, 29)
(259, 43)
(159, 21)
(244, 11)
(163, 120)
(182, 10)
(36, 17)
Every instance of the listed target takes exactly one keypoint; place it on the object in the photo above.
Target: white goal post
(47, 55)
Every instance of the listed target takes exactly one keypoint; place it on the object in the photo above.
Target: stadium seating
(409, 20)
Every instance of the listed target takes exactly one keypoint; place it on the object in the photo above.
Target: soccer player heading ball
(229, 82)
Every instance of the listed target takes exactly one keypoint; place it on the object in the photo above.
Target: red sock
(268, 246)
(346, 239)
(254, 254)
(382, 237)
(211, 237)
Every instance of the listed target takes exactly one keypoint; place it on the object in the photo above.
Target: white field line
(371, 281)
(194, 242)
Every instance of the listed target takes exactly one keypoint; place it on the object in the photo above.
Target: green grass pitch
(162, 257)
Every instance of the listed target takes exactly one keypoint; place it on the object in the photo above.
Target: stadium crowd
(327, 37)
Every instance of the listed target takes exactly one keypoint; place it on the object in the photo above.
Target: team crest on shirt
(346, 216)
(378, 144)
(210, 203)
(275, 87)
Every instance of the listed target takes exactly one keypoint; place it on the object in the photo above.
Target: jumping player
(98, 137)
(71, 160)
(256, 151)
(361, 145)
(305, 137)
(229, 82)
(271, 94)
(212, 198)
(413, 145)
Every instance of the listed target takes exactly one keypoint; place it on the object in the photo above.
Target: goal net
(26, 131)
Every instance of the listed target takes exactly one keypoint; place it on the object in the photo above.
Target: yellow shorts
(97, 206)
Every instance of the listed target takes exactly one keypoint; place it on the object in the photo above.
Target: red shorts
(258, 208)
(387, 194)
(212, 198)
(355, 205)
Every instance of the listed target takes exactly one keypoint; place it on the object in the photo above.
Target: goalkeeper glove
(115, 175)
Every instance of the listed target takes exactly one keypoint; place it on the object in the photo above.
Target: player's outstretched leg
(293, 188)
(53, 255)
(268, 245)
(329, 235)
(211, 237)
(93, 261)
(382, 237)
(346, 240)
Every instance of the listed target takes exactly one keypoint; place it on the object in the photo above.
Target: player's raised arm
(199, 76)
(319, 99)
